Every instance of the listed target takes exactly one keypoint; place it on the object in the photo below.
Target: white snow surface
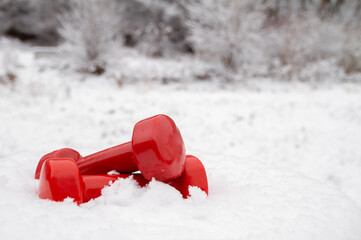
(283, 160)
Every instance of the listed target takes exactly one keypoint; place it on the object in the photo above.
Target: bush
(31, 20)
(8, 63)
(156, 27)
(283, 39)
(90, 33)
(225, 32)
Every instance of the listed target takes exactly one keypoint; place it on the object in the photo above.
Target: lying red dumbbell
(156, 149)
(60, 178)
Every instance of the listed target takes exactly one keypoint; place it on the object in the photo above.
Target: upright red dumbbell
(156, 149)
(60, 178)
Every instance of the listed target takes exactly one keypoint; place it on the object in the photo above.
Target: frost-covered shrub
(155, 27)
(292, 40)
(226, 32)
(8, 62)
(350, 55)
(299, 43)
(31, 20)
(304, 42)
(90, 33)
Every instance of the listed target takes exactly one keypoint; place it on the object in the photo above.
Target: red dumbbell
(156, 149)
(60, 178)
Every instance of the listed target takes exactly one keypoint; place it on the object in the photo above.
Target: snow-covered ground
(283, 160)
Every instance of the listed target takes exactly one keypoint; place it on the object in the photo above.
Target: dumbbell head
(194, 175)
(61, 153)
(158, 148)
(60, 178)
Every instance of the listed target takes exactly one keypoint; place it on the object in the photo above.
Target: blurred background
(265, 81)
(183, 41)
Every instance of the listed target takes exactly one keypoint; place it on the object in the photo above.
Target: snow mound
(248, 199)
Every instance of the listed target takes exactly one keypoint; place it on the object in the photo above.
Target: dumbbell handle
(118, 158)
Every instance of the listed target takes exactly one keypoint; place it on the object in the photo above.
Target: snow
(283, 159)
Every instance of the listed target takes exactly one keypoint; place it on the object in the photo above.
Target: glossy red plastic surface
(61, 153)
(156, 149)
(60, 178)
(194, 175)
(118, 158)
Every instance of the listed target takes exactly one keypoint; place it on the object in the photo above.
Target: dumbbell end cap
(194, 175)
(60, 178)
(61, 153)
(158, 148)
